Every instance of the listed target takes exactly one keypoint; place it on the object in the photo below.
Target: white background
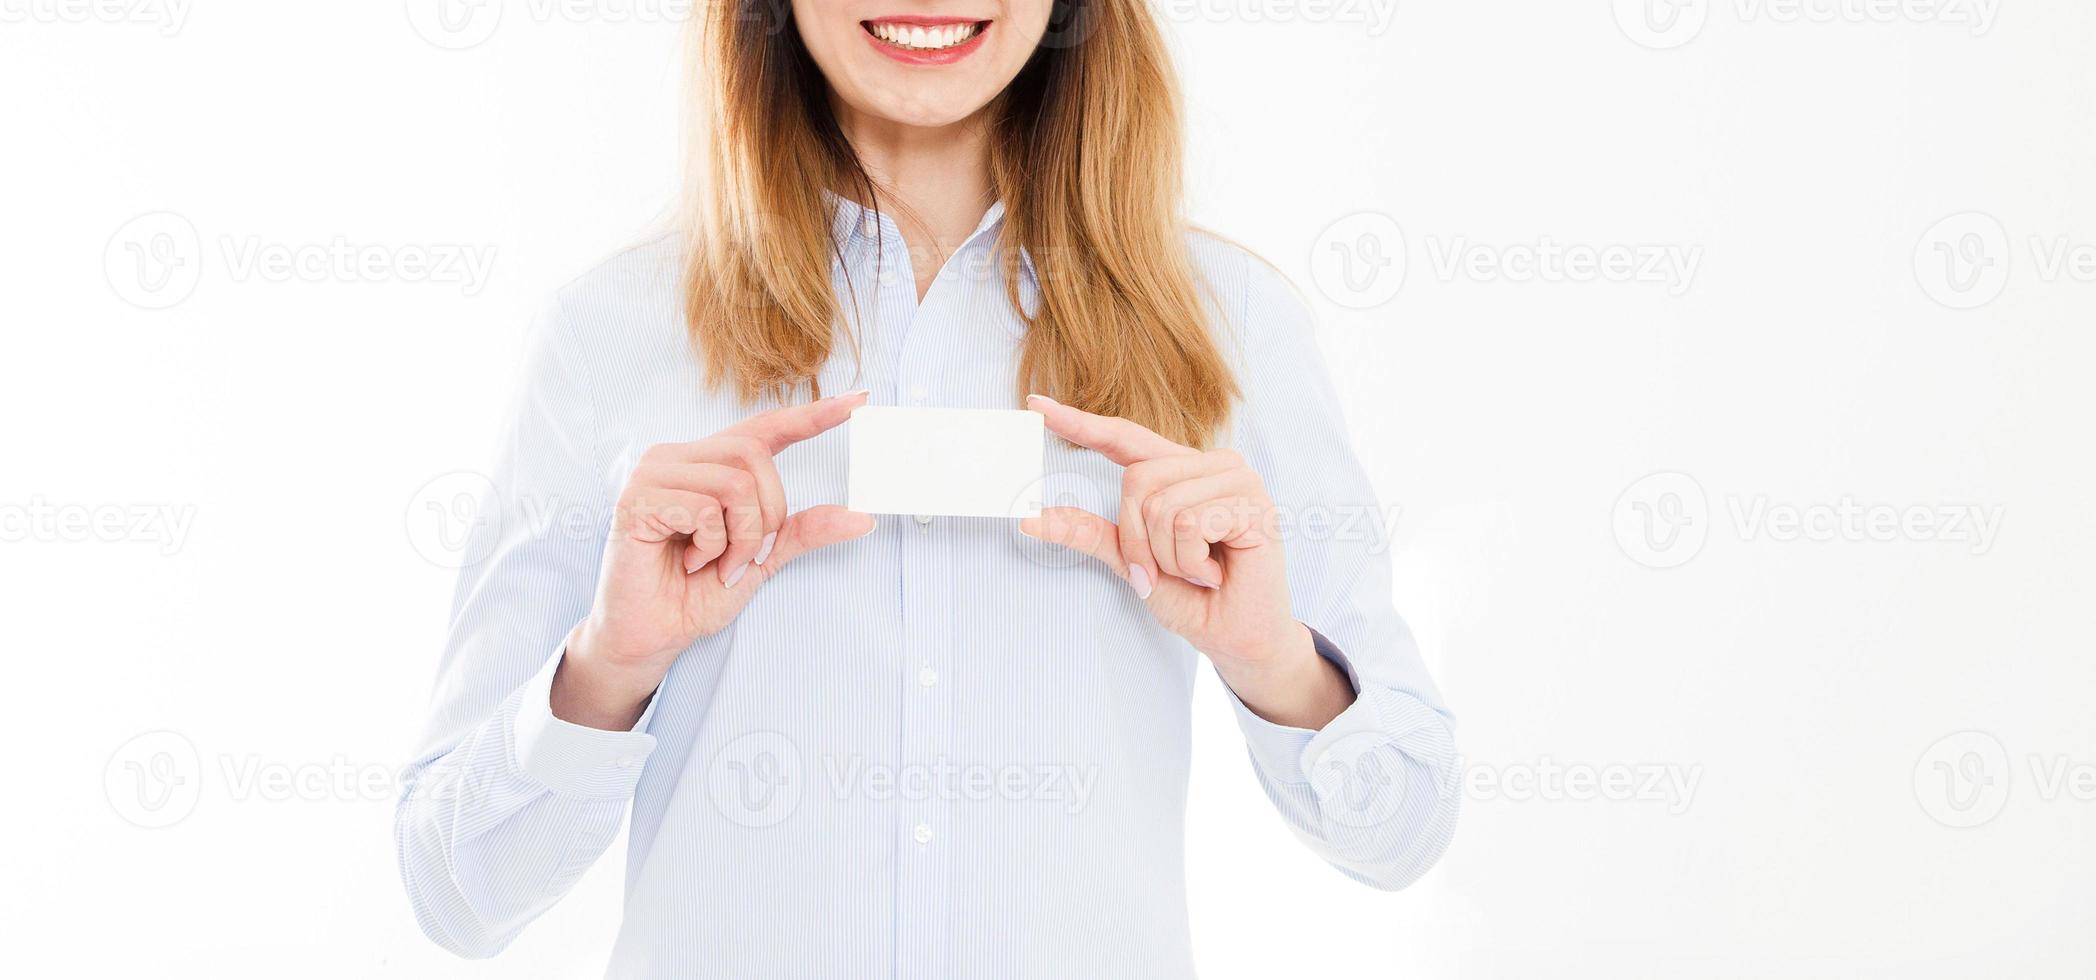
(264, 450)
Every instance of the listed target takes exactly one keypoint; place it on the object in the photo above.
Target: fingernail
(1139, 580)
(764, 550)
(1043, 398)
(736, 575)
(1204, 583)
(872, 526)
(692, 566)
(853, 393)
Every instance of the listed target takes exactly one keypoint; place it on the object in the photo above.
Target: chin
(926, 110)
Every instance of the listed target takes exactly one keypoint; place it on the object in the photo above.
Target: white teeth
(925, 39)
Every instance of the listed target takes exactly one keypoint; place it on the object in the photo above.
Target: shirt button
(924, 518)
(918, 394)
(870, 225)
(923, 834)
(927, 677)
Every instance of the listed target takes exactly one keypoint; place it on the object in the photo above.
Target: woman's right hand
(699, 527)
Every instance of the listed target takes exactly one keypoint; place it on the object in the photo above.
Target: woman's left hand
(1200, 543)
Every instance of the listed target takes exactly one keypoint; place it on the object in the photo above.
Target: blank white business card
(950, 462)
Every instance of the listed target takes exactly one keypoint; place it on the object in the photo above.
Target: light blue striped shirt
(943, 750)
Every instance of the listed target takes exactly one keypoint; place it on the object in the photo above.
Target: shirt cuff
(573, 760)
(1277, 750)
(1379, 716)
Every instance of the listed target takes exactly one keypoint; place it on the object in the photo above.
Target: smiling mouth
(924, 36)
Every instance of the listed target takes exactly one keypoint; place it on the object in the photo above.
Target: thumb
(817, 527)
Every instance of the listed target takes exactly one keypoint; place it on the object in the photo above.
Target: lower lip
(943, 56)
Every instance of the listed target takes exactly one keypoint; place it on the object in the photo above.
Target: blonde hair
(1085, 153)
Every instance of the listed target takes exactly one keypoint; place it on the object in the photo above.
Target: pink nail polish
(736, 575)
(1139, 580)
(1044, 398)
(1204, 583)
(764, 550)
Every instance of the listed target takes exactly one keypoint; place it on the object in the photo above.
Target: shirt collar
(852, 223)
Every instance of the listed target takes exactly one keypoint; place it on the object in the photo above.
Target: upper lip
(914, 21)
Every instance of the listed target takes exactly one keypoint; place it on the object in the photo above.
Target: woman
(923, 747)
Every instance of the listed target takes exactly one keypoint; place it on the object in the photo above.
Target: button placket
(925, 713)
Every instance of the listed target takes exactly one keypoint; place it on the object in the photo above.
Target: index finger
(1120, 440)
(782, 427)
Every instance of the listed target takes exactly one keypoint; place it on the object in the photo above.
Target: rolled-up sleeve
(1376, 791)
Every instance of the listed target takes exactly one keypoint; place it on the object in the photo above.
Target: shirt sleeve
(506, 805)
(1376, 791)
